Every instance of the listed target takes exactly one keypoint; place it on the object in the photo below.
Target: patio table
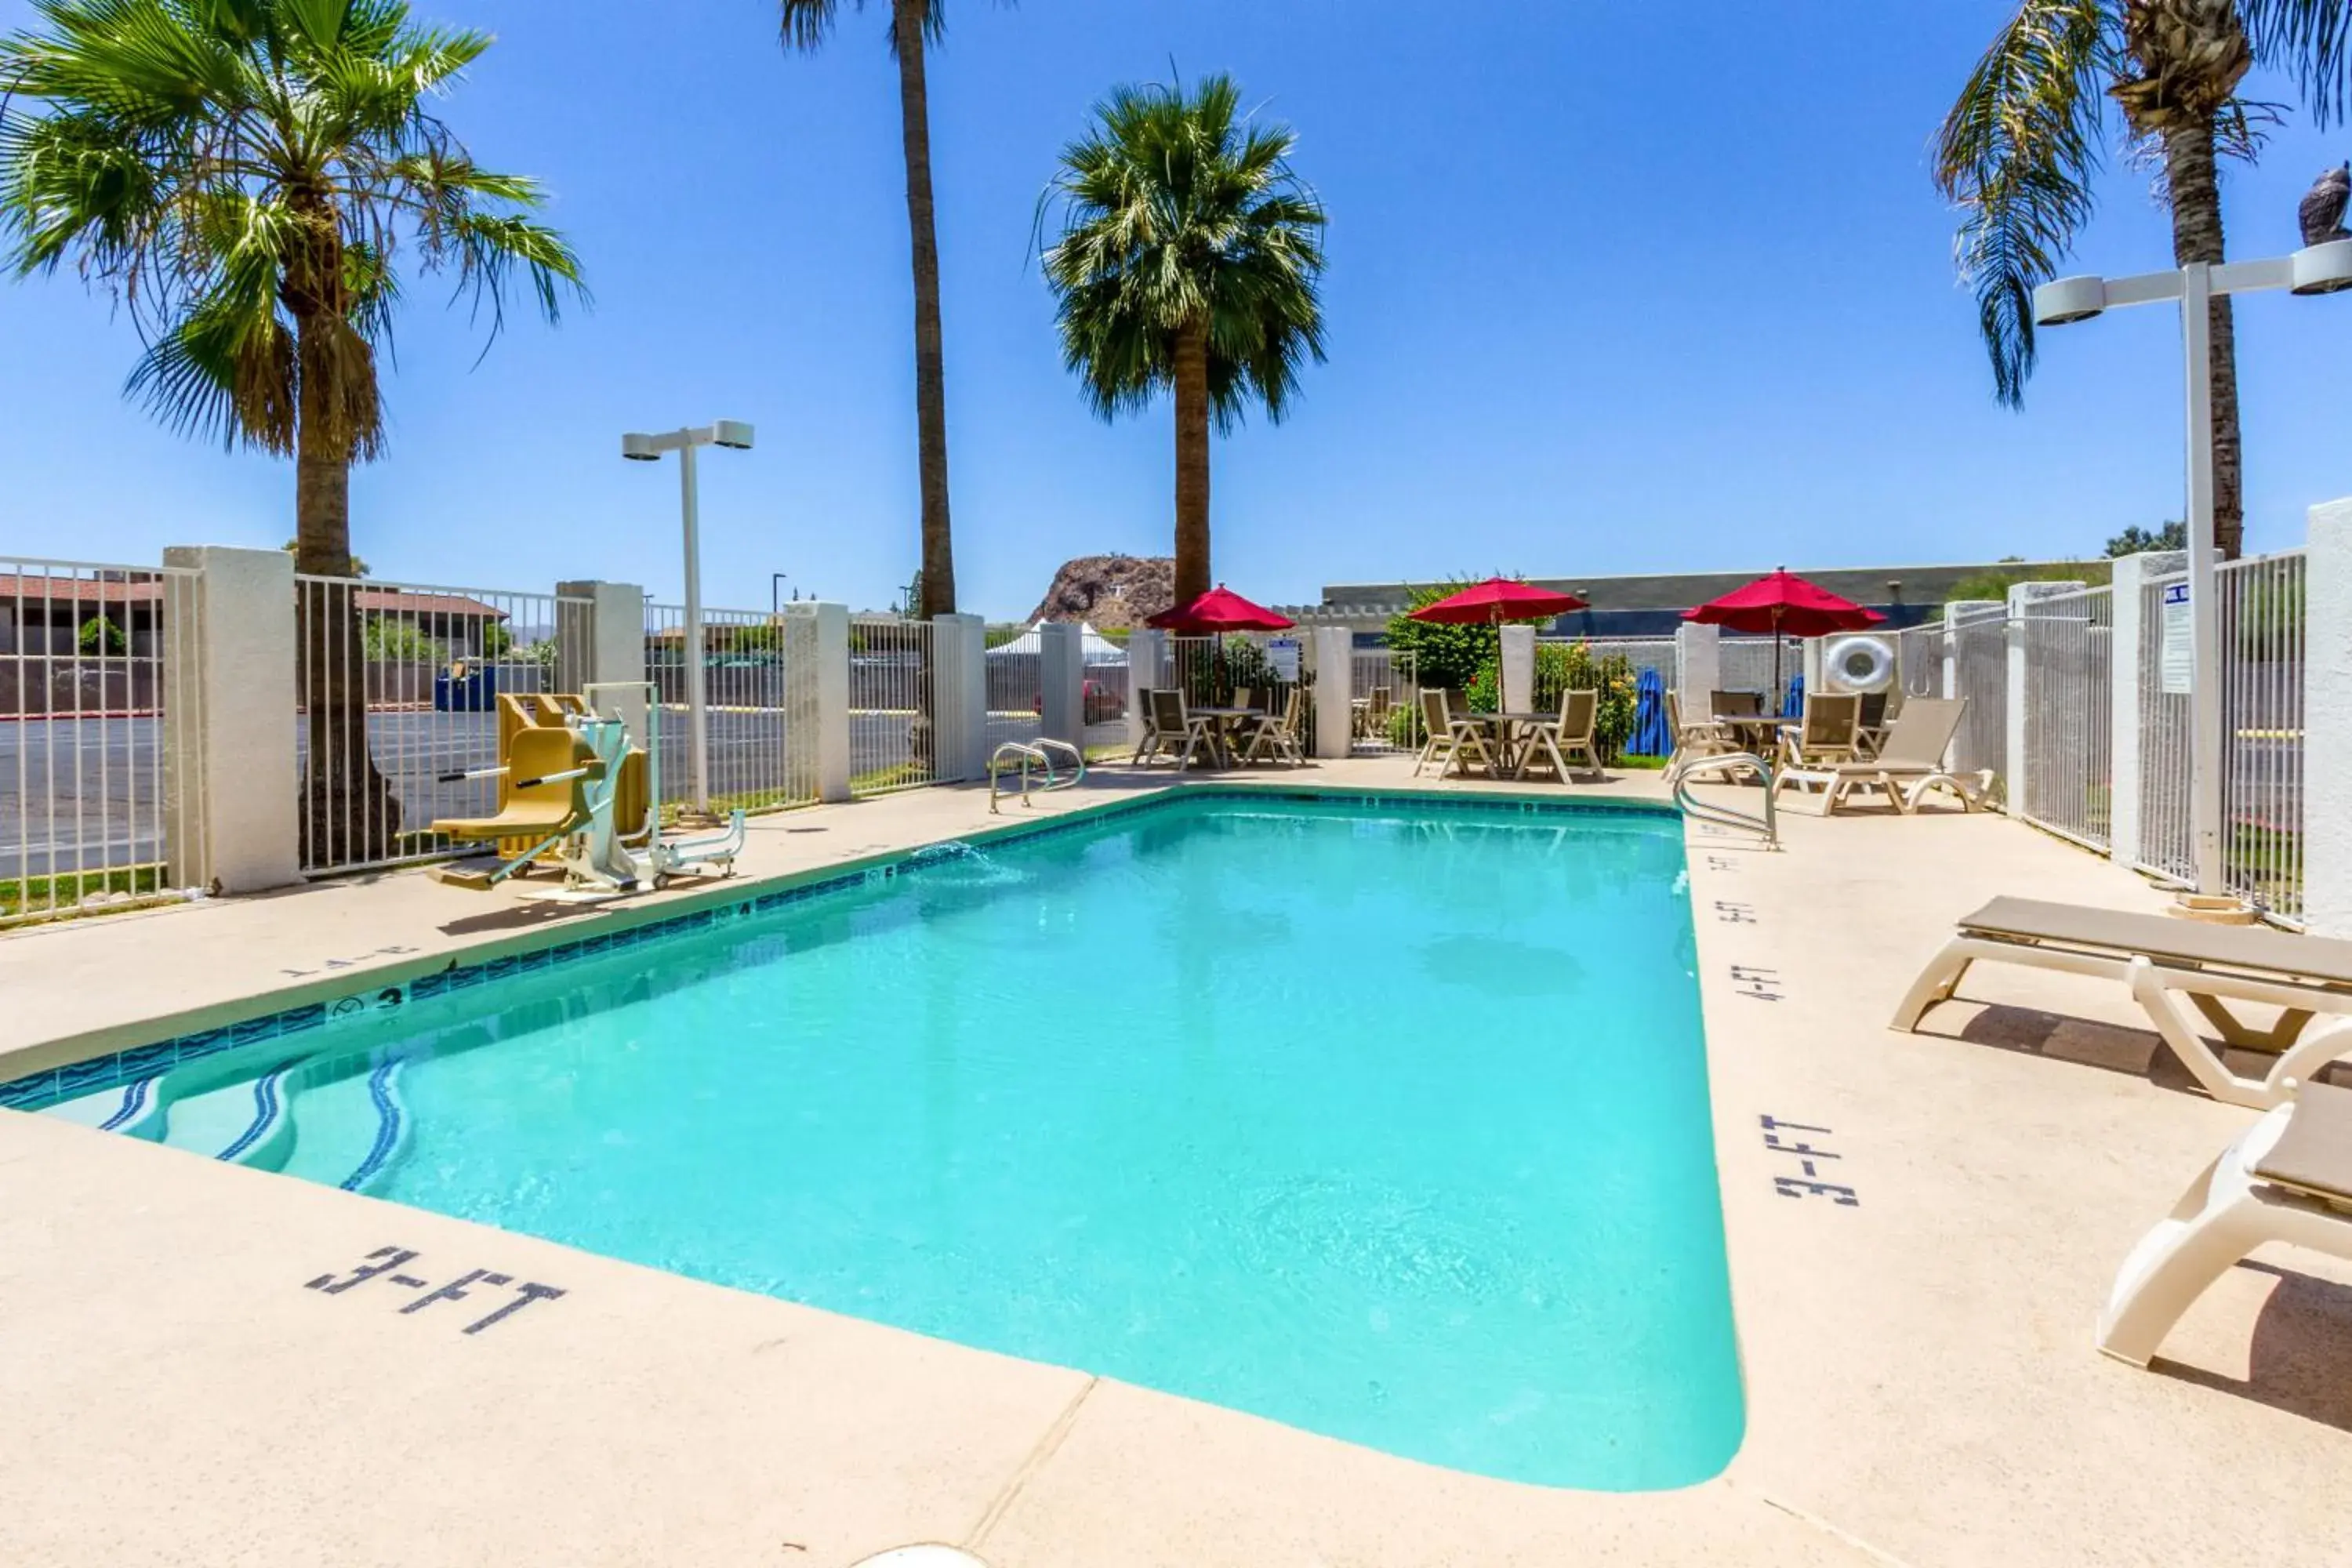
(1225, 728)
(1510, 744)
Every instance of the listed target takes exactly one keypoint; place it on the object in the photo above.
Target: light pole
(2315, 269)
(776, 597)
(648, 450)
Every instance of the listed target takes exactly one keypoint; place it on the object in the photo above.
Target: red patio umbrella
(1214, 612)
(1783, 604)
(1219, 610)
(1493, 602)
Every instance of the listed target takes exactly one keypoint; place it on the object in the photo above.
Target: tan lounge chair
(1910, 761)
(2164, 960)
(1700, 743)
(1826, 735)
(1572, 734)
(2287, 1178)
(1451, 740)
(1279, 733)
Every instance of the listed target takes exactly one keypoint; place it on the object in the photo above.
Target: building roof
(1877, 587)
(146, 590)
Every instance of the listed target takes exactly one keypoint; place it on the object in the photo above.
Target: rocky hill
(1112, 591)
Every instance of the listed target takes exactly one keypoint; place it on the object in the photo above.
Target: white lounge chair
(2287, 1178)
(1909, 763)
(2165, 959)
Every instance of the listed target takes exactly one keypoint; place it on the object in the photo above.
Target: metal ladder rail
(1039, 751)
(1767, 825)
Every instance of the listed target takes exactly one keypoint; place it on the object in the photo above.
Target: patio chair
(1242, 695)
(1149, 743)
(2287, 1178)
(1176, 730)
(1554, 740)
(1870, 729)
(1374, 718)
(1450, 738)
(1736, 704)
(1825, 736)
(1696, 740)
(1909, 763)
(2164, 960)
(1279, 732)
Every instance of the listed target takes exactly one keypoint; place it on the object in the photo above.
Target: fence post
(958, 697)
(600, 639)
(2126, 647)
(1335, 689)
(1147, 650)
(816, 716)
(1061, 683)
(235, 789)
(1518, 676)
(2017, 755)
(1698, 673)
(2327, 721)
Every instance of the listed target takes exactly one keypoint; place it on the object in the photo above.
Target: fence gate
(2068, 769)
(890, 699)
(750, 688)
(100, 792)
(396, 687)
(2262, 657)
(1384, 691)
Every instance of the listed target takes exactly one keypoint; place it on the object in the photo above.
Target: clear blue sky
(1612, 288)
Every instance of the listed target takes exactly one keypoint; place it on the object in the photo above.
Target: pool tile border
(117, 1068)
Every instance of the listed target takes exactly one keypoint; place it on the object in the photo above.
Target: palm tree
(2021, 148)
(1191, 258)
(241, 174)
(914, 24)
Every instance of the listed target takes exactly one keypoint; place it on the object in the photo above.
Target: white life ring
(1860, 664)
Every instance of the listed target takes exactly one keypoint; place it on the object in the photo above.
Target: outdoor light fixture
(2323, 268)
(640, 448)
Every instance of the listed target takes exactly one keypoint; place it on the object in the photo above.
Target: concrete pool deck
(1920, 1382)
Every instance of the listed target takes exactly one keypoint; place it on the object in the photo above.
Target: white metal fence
(396, 687)
(1016, 693)
(1661, 654)
(749, 688)
(1978, 648)
(1746, 664)
(1385, 691)
(1103, 696)
(100, 787)
(890, 670)
(2068, 769)
(2262, 640)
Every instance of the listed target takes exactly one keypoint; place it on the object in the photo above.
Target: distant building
(1652, 607)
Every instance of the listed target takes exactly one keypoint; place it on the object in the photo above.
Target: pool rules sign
(2175, 658)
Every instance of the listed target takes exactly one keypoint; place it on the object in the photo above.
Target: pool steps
(336, 1120)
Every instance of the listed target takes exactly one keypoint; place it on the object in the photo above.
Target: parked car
(1099, 701)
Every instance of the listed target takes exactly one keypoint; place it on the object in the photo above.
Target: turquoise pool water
(1386, 1122)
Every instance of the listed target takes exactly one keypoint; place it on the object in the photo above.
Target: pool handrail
(1039, 751)
(1767, 825)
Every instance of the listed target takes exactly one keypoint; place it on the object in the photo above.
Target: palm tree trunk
(348, 813)
(938, 595)
(1192, 369)
(2191, 180)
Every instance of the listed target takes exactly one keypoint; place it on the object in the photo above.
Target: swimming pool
(1385, 1118)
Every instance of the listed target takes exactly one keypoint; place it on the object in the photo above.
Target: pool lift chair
(579, 795)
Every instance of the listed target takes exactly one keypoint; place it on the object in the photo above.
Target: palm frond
(2310, 40)
(2018, 154)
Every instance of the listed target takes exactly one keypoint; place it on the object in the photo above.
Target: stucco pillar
(232, 783)
(1335, 681)
(1698, 667)
(958, 698)
(1518, 672)
(2327, 722)
(600, 641)
(1061, 683)
(816, 685)
(1147, 649)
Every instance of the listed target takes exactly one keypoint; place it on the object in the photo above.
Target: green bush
(101, 635)
(1445, 656)
(1572, 667)
(389, 641)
